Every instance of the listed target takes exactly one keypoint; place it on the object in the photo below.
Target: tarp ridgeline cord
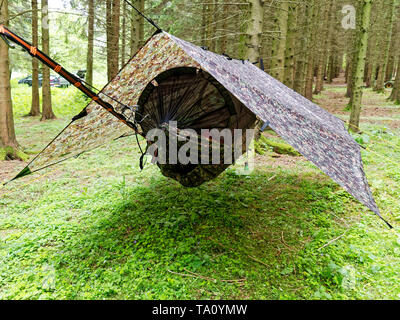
(145, 17)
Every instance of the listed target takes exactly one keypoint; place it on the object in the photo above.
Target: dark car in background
(28, 80)
(54, 81)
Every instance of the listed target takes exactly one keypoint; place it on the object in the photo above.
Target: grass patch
(99, 228)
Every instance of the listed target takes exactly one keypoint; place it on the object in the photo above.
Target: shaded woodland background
(302, 43)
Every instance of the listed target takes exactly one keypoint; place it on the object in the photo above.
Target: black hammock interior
(194, 100)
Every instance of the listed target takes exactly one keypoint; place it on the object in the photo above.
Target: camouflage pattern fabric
(98, 126)
(315, 133)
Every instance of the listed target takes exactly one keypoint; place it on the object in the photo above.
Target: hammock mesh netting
(194, 100)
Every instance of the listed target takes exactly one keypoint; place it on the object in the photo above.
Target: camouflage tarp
(315, 133)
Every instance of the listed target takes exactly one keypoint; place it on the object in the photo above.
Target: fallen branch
(256, 260)
(286, 245)
(332, 241)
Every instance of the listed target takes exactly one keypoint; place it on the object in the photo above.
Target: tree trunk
(254, 30)
(379, 86)
(204, 25)
(332, 47)
(322, 56)
(8, 142)
(215, 27)
(209, 19)
(137, 27)
(35, 107)
(123, 44)
(224, 38)
(349, 73)
(114, 40)
(141, 5)
(389, 68)
(359, 70)
(308, 90)
(395, 95)
(368, 80)
(278, 66)
(109, 37)
(289, 52)
(301, 45)
(89, 61)
(376, 45)
(47, 111)
(354, 54)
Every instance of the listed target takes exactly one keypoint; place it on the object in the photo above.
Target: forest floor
(98, 227)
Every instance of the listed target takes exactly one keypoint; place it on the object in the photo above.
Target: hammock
(193, 100)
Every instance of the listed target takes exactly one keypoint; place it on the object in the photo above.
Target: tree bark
(368, 79)
(376, 45)
(301, 45)
(123, 44)
(390, 68)
(89, 60)
(113, 53)
(254, 30)
(349, 73)
(379, 85)
(47, 111)
(332, 48)
(35, 106)
(278, 66)
(359, 70)
(322, 55)
(9, 148)
(137, 28)
(290, 42)
(224, 38)
(109, 37)
(395, 95)
(308, 90)
(215, 20)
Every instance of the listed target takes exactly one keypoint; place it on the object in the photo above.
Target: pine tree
(47, 110)
(278, 59)
(362, 33)
(9, 147)
(390, 13)
(395, 95)
(254, 30)
(137, 27)
(89, 60)
(290, 43)
(35, 106)
(308, 90)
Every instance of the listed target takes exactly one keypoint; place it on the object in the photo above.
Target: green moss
(12, 153)
(21, 155)
(263, 144)
(3, 154)
(259, 148)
